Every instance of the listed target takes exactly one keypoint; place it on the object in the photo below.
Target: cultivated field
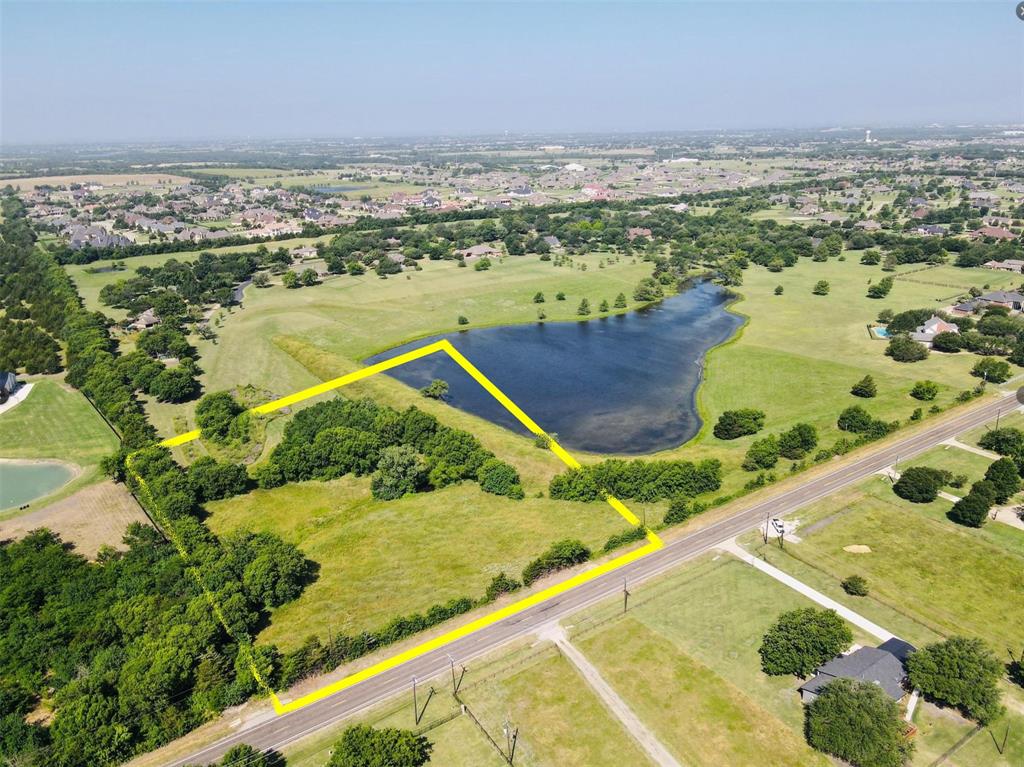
(117, 180)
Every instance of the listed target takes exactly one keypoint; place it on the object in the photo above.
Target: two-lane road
(282, 730)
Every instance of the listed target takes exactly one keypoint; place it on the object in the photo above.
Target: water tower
(867, 136)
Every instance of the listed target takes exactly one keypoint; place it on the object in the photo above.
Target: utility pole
(456, 683)
(625, 596)
(511, 736)
(415, 704)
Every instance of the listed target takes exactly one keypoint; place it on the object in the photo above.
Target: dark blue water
(624, 384)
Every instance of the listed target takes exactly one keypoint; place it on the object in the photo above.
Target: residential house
(932, 327)
(146, 319)
(1009, 265)
(8, 384)
(884, 665)
(993, 232)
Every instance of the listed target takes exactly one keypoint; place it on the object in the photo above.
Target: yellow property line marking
(654, 542)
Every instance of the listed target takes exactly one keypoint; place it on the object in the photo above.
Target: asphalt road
(279, 731)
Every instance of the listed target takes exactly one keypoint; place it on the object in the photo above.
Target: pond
(24, 481)
(623, 384)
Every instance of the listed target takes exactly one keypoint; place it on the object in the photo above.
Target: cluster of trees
(638, 479)
(126, 648)
(994, 333)
(733, 424)
(23, 344)
(404, 451)
(959, 672)
(221, 418)
(1001, 482)
(857, 420)
(801, 640)
(921, 484)
(172, 286)
(795, 444)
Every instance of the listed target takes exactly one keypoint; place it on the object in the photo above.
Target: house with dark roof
(884, 665)
(8, 384)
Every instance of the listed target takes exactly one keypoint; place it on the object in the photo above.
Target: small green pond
(22, 482)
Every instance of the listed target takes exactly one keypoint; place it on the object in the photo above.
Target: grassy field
(955, 460)
(383, 559)
(561, 722)
(950, 579)
(702, 718)
(57, 423)
(118, 180)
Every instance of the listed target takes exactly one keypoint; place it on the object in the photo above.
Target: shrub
(563, 554)
(903, 349)
(436, 389)
(538, 297)
(803, 639)
(618, 540)
(738, 423)
(858, 723)
(584, 308)
(855, 585)
(925, 391)
(681, 509)
(821, 288)
(501, 584)
(865, 387)
(881, 288)
(920, 484)
(959, 672)
(463, 320)
(499, 478)
(212, 480)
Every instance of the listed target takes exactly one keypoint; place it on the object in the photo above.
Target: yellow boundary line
(654, 542)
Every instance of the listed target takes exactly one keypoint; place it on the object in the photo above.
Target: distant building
(145, 320)
(883, 665)
(994, 232)
(926, 333)
(1009, 265)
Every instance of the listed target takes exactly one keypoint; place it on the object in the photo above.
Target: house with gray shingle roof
(883, 665)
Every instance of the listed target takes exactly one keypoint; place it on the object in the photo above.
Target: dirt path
(647, 740)
(94, 516)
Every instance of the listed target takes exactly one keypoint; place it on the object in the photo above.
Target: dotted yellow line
(653, 541)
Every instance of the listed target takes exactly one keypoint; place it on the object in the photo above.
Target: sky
(133, 71)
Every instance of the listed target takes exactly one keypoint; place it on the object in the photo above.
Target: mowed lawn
(561, 721)
(699, 716)
(952, 579)
(799, 354)
(953, 459)
(58, 423)
(379, 560)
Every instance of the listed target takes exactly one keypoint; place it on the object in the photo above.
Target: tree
(865, 387)
(463, 320)
(603, 308)
(436, 389)
(1005, 441)
(903, 349)
(779, 290)
(497, 477)
(1004, 477)
(959, 672)
(213, 480)
(947, 342)
(803, 639)
(992, 370)
(798, 441)
(308, 277)
(261, 279)
(857, 722)
(365, 746)
(925, 391)
(290, 280)
(738, 423)
(648, 289)
(855, 419)
(920, 484)
(821, 288)
(871, 258)
(174, 385)
(855, 585)
(620, 301)
(762, 454)
(584, 308)
(538, 297)
(214, 414)
(881, 288)
(400, 471)
(972, 509)
(560, 296)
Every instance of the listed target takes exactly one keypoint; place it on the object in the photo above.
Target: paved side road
(280, 731)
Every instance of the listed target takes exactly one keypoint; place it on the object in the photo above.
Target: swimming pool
(880, 332)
